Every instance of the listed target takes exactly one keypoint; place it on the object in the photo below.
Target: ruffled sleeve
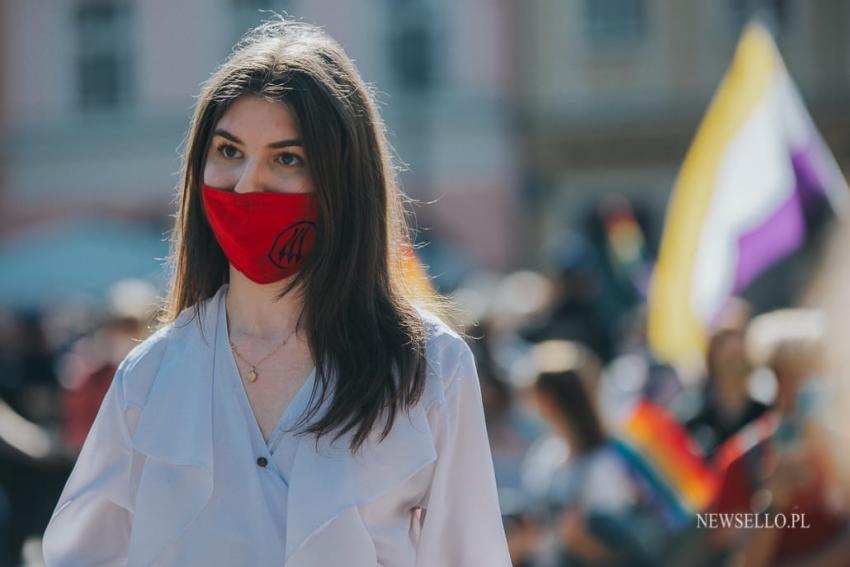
(91, 523)
(461, 521)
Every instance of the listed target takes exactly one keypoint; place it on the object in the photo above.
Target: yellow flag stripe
(675, 331)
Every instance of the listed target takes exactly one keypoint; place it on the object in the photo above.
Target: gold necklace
(253, 374)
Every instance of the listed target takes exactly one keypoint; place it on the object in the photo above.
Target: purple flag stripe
(785, 230)
(779, 235)
(808, 174)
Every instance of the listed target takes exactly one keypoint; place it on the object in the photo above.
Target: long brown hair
(568, 373)
(359, 308)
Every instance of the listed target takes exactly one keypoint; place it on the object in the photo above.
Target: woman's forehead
(257, 120)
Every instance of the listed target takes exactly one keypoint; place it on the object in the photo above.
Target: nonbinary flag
(743, 200)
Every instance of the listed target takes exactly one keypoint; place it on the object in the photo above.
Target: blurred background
(544, 140)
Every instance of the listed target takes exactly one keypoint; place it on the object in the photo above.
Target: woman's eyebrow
(225, 134)
(285, 143)
(274, 145)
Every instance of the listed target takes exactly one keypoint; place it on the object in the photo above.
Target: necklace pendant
(252, 376)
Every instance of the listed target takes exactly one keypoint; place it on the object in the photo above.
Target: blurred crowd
(56, 363)
(603, 454)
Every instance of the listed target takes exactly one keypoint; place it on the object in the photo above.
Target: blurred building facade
(510, 116)
(97, 97)
(611, 91)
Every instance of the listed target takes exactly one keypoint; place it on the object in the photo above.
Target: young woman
(302, 406)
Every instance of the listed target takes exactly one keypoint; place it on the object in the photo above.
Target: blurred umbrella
(83, 257)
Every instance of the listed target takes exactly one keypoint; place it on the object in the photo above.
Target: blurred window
(246, 14)
(411, 44)
(614, 21)
(104, 53)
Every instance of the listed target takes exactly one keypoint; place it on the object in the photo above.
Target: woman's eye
(289, 159)
(228, 151)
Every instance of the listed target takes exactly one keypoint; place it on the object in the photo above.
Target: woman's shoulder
(435, 327)
(447, 356)
(140, 366)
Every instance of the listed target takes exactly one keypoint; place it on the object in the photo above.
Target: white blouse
(175, 470)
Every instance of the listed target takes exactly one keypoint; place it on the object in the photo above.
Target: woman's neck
(253, 310)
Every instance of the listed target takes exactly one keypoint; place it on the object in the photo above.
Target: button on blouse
(275, 457)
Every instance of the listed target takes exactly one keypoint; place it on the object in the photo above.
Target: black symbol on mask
(288, 247)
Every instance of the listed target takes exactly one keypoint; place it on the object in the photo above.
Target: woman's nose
(251, 179)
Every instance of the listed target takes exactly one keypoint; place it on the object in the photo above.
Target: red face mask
(266, 236)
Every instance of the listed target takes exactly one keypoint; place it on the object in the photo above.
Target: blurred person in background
(725, 404)
(635, 373)
(576, 310)
(39, 452)
(90, 375)
(780, 463)
(39, 446)
(510, 427)
(32, 390)
(592, 510)
(90, 365)
(831, 295)
(302, 403)
(33, 463)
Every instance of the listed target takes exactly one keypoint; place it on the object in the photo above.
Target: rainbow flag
(754, 174)
(673, 462)
(626, 246)
(658, 492)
